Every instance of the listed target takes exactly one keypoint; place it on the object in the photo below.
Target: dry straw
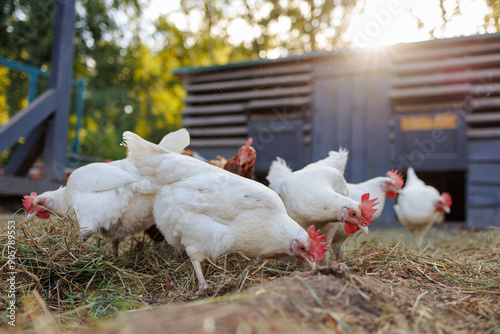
(64, 285)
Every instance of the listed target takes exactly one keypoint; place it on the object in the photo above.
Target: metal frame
(45, 120)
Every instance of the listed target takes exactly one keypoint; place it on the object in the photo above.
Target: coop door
(430, 141)
(278, 137)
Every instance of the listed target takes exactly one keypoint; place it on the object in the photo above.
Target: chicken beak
(312, 264)
(446, 209)
(30, 215)
(243, 160)
(364, 229)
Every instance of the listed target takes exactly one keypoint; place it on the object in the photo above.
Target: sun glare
(377, 23)
(389, 22)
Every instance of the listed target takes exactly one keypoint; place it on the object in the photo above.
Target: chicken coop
(434, 106)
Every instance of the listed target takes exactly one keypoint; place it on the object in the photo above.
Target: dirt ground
(323, 301)
(450, 286)
(396, 297)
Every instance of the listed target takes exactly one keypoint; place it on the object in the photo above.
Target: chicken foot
(202, 283)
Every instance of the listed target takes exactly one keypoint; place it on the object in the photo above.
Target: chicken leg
(202, 283)
(329, 230)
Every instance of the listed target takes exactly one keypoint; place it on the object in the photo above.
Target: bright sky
(390, 22)
(381, 23)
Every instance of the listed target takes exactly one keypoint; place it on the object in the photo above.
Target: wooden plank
(483, 117)
(324, 118)
(487, 88)
(294, 79)
(377, 128)
(483, 76)
(214, 120)
(231, 108)
(413, 55)
(220, 142)
(483, 133)
(28, 153)
(15, 185)
(289, 101)
(218, 131)
(484, 150)
(482, 218)
(248, 95)
(27, 119)
(429, 106)
(276, 115)
(251, 72)
(446, 64)
(430, 92)
(343, 126)
(485, 103)
(56, 139)
(358, 94)
(486, 173)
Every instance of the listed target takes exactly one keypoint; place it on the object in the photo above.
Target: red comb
(367, 207)
(318, 248)
(248, 143)
(447, 199)
(28, 201)
(397, 177)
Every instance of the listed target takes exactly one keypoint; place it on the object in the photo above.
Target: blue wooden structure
(34, 75)
(431, 105)
(44, 122)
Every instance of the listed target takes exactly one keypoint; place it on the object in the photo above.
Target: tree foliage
(130, 85)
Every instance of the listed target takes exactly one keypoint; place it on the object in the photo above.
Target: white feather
(278, 172)
(112, 197)
(208, 211)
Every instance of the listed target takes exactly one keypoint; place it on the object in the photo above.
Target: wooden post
(60, 79)
(45, 119)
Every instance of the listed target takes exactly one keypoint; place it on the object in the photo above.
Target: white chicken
(109, 198)
(419, 206)
(208, 211)
(318, 194)
(381, 187)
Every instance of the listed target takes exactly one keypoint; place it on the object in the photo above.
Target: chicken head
(444, 203)
(393, 187)
(246, 155)
(314, 250)
(35, 206)
(355, 220)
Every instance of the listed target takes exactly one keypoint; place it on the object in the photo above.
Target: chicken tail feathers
(278, 171)
(176, 141)
(144, 155)
(337, 159)
(412, 178)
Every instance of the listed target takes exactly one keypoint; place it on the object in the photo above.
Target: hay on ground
(65, 285)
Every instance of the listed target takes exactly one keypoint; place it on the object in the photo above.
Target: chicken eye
(353, 214)
(302, 248)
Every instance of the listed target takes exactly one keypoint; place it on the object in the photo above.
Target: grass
(75, 284)
(83, 282)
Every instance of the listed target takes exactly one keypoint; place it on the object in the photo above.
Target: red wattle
(391, 194)
(350, 228)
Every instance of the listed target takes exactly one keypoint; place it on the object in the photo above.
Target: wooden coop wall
(446, 111)
(431, 105)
